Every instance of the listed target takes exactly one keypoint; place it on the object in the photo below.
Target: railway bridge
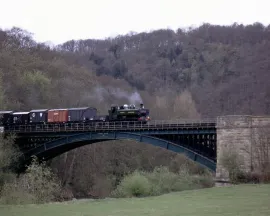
(202, 141)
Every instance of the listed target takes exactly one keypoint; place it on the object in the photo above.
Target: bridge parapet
(248, 136)
(260, 121)
(114, 126)
(233, 121)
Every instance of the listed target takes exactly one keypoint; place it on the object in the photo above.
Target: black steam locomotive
(125, 113)
(128, 113)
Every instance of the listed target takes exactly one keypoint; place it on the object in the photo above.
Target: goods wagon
(38, 116)
(20, 117)
(82, 114)
(5, 117)
(57, 115)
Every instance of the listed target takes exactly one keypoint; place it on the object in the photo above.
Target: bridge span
(203, 141)
(194, 138)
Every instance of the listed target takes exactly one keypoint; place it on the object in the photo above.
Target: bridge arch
(59, 146)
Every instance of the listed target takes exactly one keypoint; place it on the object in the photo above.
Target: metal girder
(153, 132)
(69, 142)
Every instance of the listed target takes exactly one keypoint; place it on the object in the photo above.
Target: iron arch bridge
(195, 140)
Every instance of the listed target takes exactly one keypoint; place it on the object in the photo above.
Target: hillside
(224, 67)
(242, 200)
(204, 72)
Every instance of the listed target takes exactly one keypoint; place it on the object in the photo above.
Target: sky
(59, 21)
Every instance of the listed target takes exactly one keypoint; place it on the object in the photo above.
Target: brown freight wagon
(57, 115)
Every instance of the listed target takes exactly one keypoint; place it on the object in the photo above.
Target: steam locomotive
(126, 113)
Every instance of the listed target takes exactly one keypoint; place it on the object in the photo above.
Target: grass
(235, 200)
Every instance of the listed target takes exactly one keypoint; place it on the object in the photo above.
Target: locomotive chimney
(141, 105)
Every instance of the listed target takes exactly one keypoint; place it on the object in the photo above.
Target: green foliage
(135, 184)
(37, 185)
(13, 194)
(9, 153)
(37, 86)
(2, 93)
(36, 78)
(164, 181)
(40, 182)
(9, 160)
(160, 181)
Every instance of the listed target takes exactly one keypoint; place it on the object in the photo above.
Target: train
(123, 113)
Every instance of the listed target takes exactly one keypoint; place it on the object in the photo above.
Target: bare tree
(260, 152)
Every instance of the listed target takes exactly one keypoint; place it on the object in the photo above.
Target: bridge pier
(248, 137)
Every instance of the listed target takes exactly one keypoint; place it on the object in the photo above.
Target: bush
(160, 181)
(40, 182)
(9, 153)
(9, 157)
(135, 184)
(12, 194)
(37, 185)
(232, 163)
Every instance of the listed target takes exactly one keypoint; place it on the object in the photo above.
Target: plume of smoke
(102, 93)
(133, 98)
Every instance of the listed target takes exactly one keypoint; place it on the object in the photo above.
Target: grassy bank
(236, 200)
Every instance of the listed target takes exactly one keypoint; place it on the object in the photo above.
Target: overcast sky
(58, 21)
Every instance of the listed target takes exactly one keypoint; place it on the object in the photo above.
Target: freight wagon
(72, 115)
(57, 115)
(6, 117)
(20, 118)
(38, 116)
(83, 114)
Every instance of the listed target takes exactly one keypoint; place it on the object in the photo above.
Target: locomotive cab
(114, 108)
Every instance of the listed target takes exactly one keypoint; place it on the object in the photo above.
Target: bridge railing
(121, 125)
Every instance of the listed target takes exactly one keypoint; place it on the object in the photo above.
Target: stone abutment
(244, 137)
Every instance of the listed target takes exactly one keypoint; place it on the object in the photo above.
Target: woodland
(197, 73)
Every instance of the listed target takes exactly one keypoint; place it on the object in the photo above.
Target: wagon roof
(57, 109)
(19, 113)
(4, 112)
(39, 110)
(82, 108)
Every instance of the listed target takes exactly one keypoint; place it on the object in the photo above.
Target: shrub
(9, 153)
(160, 181)
(135, 184)
(40, 181)
(9, 157)
(232, 163)
(12, 193)
(37, 185)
